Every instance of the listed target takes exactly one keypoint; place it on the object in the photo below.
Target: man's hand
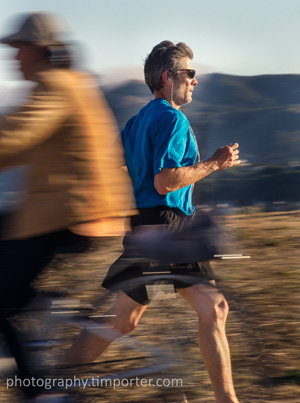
(226, 157)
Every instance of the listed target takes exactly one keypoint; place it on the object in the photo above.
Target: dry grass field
(263, 326)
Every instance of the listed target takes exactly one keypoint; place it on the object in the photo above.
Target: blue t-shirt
(159, 136)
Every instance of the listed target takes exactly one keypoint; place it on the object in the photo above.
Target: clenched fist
(226, 156)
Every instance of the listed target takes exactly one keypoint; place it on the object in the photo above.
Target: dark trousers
(21, 261)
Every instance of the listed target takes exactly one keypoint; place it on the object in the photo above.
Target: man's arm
(171, 179)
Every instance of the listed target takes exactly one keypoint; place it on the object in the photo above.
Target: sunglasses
(189, 73)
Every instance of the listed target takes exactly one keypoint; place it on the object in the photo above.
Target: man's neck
(163, 93)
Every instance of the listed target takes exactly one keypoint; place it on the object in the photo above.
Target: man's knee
(125, 325)
(125, 313)
(215, 311)
(208, 302)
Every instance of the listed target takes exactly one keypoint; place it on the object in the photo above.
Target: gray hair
(164, 56)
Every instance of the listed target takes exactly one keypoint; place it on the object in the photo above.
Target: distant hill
(261, 113)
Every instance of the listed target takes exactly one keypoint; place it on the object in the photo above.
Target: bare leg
(212, 310)
(89, 345)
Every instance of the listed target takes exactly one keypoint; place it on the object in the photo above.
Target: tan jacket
(68, 137)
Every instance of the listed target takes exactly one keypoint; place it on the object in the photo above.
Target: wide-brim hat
(41, 29)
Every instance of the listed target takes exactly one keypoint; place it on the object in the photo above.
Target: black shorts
(128, 270)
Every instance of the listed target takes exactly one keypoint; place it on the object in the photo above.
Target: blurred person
(163, 161)
(76, 192)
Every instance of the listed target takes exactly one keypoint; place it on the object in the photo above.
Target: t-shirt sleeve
(170, 142)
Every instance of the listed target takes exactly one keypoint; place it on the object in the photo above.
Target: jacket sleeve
(34, 123)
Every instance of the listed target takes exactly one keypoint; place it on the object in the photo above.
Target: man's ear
(166, 78)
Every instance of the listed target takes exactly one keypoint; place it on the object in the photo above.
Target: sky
(240, 37)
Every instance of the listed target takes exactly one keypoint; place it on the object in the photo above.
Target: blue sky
(243, 37)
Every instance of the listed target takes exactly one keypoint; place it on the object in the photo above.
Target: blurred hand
(227, 156)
